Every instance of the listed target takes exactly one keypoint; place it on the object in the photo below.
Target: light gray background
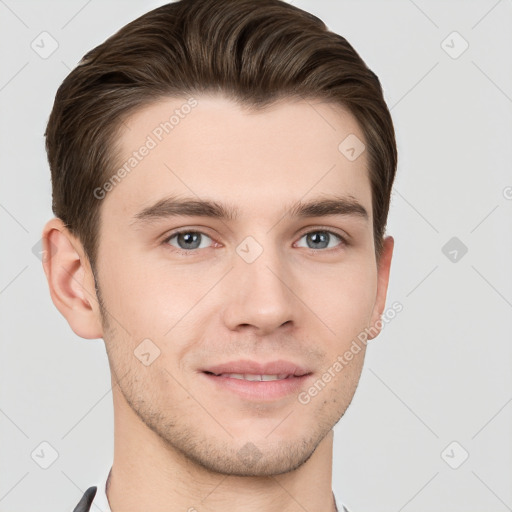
(439, 372)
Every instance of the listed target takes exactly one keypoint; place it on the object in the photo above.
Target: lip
(260, 391)
(247, 366)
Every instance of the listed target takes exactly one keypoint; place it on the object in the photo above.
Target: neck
(148, 474)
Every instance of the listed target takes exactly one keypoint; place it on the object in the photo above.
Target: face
(185, 291)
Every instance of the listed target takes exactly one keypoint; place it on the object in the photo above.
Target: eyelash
(193, 252)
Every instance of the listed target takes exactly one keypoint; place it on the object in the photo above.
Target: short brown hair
(254, 51)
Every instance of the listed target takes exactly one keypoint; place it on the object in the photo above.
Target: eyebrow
(188, 206)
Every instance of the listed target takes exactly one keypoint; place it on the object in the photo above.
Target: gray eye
(320, 239)
(188, 240)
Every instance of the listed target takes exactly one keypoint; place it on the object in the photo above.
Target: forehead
(209, 146)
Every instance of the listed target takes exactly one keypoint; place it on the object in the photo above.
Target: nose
(261, 295)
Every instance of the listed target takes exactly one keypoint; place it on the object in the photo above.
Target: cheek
(343, 297)
(138, 296)
(158, 302)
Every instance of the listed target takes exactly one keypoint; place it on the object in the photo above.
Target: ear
(71, 280)
(383, 267)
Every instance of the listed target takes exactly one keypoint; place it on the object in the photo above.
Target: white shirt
(100, 502)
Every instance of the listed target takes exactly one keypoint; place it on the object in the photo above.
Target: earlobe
(383, 269)
(70, 280)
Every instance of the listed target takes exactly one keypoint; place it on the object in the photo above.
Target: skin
(177, 439)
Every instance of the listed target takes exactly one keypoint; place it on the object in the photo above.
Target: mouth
(254, 377)
(256, 382)
(275, 370)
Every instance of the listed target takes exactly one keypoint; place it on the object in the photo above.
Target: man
(221, 176)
